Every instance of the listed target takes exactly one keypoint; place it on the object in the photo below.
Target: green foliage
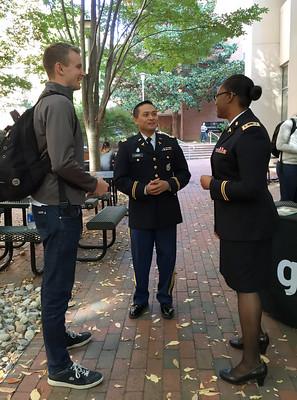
(117, 124)
(147, 35)
(188, 84)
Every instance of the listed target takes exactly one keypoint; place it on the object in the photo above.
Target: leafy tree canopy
(123, 37)
(187, 84)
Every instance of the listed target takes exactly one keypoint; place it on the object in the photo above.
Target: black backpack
(274, 151)
(22, 167)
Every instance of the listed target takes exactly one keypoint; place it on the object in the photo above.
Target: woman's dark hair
(244, 88)
(105, 145)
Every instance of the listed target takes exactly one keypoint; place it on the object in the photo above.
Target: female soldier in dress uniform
(245, 217)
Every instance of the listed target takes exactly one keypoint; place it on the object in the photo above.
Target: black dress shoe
(167, 311)
(136, 310)
(237, 343)
(258, 374)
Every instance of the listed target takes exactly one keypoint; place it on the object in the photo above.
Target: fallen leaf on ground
(172, 343)
(188, 369)
(185, 324)
(12, 380)
(26, 373)
(35, 395)
(118, 325)
(188, 377)
(224, 356)
(291, 368)
(7, 390)
(265, 359)
(241, 392)
(195, 397)
(188, 300)
(255, 397)
(156, 320)
(208, 392)
(118, 386)
(175, 363)
(153, 378)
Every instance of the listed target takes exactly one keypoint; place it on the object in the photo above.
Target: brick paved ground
(128, 351)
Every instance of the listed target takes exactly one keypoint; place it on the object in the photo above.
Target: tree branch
(73, 23)
(66, 21)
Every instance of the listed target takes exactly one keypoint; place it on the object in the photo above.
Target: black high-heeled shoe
(258, 374)
(237, 343)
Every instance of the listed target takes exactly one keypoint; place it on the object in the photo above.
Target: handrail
(210, 133)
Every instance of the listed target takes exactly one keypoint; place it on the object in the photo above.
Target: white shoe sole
(71, 386)
(79, 344)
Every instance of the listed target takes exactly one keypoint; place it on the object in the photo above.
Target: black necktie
(149, 142)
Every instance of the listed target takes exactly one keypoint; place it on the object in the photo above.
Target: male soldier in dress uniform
(151, 168)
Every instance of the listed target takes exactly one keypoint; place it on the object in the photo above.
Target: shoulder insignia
(249, 125)
(162, 133)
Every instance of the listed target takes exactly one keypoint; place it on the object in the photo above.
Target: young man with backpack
(57, 211)
(286, 144)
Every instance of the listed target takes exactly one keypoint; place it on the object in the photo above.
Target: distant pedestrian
(106, 157)
(287, 165)
(203, 133)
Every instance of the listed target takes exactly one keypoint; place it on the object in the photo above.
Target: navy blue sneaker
(74, 339)
(75, 377)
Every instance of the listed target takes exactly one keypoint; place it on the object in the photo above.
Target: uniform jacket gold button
(155, 167)
(154, 159)
(156, 176)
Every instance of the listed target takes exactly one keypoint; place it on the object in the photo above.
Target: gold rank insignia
(249, 125)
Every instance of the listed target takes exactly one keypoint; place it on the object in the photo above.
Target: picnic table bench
(106, 220)
(22, 234)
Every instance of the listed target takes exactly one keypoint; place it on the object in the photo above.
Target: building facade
(270, 54)
(271, 61)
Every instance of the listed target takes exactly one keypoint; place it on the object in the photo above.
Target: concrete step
(195, 151)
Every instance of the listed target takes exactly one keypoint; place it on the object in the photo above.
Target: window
(284, 92)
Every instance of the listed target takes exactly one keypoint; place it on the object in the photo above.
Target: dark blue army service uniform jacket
(137, 163)
(244, 208)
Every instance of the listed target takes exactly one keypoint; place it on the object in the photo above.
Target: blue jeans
(142, 245)
(287, 174)
(59, 228)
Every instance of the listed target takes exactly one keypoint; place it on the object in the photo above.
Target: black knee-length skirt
(246, 265)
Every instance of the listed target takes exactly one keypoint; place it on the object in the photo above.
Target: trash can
(280, 297)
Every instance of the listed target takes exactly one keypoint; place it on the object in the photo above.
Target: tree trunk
(175, 124)
(93, 144)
